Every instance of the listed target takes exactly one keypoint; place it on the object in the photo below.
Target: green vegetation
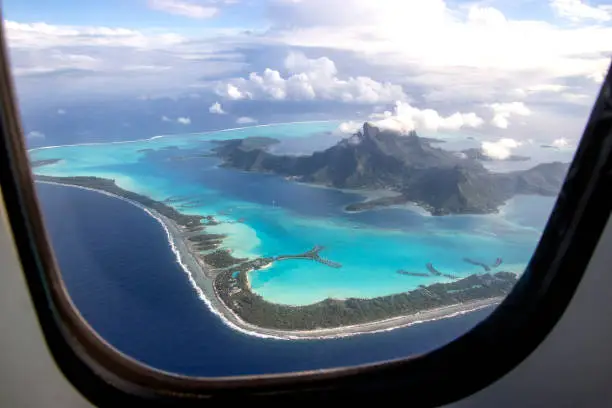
(206, 242)
(221, 258)
(109, 186)
(330, 313)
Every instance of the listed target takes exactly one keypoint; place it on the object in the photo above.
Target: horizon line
(184, 134)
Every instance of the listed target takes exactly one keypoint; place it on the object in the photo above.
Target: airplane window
(242, 188)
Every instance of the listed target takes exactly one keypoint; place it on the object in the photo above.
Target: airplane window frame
(514, 329)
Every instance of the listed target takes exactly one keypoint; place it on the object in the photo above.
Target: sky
(509, 69)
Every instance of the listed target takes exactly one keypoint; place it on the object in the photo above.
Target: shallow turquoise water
(266, 215)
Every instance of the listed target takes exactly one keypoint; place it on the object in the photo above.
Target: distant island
(440, 181)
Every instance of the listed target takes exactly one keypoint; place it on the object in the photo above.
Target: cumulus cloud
(310, 79)
(473, 55)
(500, 150)
(61, 111)
(405, 118)
(349, 127)
(578, 10)
(216, 109)
(184, 8)
(470, 50)
(35, 134)
(244, 120)
(503, 111)
(561, 143)
(231, 91)
(92, 60)
(166, 119)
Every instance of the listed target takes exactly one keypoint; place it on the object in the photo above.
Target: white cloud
(146, 68)
(232, 92)
(469, 50)
(598, 76)
(341, 13)
(503, 111)
(578, 10)
(184, 8)
(547, 88)
(486, 16)
(244, 120)
(43, 35)
(405, 118)
(502, 149)
(88, 61)
(61, 111)
(540, 88)
(35, 134)
(179, 120)
(58, 61)
(310, 79)
(349, 127)
(561, 143)
(500, 121)
(217, 109)
(578, 98)
(453, 57)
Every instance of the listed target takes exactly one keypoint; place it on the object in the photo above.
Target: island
(407, 165)
(224, 281)
(440, 181)
(334, 313)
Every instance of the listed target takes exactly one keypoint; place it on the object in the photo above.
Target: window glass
(242, 187)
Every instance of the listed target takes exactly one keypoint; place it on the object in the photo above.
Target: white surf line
(254, 333)
(207, 132)
(177, 255)
(284, 335)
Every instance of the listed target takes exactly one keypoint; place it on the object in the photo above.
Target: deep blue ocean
(126, 282)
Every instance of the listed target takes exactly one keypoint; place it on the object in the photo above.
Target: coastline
(201, 279)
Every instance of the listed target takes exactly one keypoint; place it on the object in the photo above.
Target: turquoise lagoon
(266, 215)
